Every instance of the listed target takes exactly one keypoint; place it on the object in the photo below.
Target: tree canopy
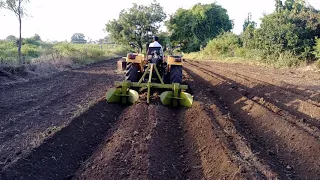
(194, 27)
(2, 4)
(11, 38)
(292, 27)
(78, 38)
(137, 24)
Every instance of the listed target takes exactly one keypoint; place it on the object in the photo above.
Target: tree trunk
(20, 41)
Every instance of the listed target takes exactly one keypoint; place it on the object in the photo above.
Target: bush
(88, 53)
(79, 53)
(32, 51)
(316, 51)
(227, 46)
(8, 52)
(224, 45)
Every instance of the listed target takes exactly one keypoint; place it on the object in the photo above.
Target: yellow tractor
(152, 71)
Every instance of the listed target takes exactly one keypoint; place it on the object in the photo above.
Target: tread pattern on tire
(166, 74)
(132, 73)
(175, 74)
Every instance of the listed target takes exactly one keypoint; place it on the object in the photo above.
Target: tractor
(151, 71)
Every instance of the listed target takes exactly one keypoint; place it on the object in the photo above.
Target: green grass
(247, 56)
(87, 53)
(80, 54)
(227, 47)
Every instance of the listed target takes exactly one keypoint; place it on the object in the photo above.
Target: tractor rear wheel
(175, 74)
(132, 72)
(166, 74)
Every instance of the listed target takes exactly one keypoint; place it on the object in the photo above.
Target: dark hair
(155, 38)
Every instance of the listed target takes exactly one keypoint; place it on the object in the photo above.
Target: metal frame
(125, 85)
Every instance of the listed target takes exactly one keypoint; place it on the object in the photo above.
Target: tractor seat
(151, 50)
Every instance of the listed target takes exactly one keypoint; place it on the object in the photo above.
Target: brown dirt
(34, 111)
(246, 123)
(288, 146)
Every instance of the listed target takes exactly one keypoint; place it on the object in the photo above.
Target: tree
(2, 4)
(136, 24)
(279, 5)
(78, 38)
(291, 28)
(11, 38)
(247, 35)
(249, 23)
(194, 27)
(164, 40)
(105, 40)
(17, 7)
(37, 37)
(180, 26)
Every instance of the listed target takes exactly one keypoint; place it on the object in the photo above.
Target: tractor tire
(166, 74)
(176, 74)
(132, 73)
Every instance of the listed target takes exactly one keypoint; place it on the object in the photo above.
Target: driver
(155, 43)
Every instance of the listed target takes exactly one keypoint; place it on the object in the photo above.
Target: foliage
(17, 7)
(249, 23)
(2, 4)
(78, 38)
(193, 28)
(247, 36)
(87, 53)
(164, 40)
(224, 45)
(292, 27)
(37, 37)
(8, 51)
(286, 37)
(31, 41)
(316, 47)
(30, 50)
(105, 40)
(136, 24)
(78, 53)
(11, 38)
(228, 46)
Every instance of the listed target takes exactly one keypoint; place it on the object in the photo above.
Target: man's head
(155, 38)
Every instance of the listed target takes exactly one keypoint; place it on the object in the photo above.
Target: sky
(59, 19)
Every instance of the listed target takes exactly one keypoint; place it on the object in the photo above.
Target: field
(247, 122)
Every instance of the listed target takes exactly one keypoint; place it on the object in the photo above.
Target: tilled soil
(245, 123)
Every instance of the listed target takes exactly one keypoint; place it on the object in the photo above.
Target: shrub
(224, 45)
(79, 53)
(318, 63)
(29, 50)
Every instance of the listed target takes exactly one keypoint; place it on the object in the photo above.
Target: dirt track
(246, 123)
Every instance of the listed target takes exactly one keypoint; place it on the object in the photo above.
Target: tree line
(292, 29)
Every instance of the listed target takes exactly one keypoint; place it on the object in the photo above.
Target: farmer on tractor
(156, 44)
(152, 71)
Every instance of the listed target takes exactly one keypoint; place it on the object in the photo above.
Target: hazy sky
(59, 19)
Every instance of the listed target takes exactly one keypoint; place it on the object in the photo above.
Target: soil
(246, 122)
